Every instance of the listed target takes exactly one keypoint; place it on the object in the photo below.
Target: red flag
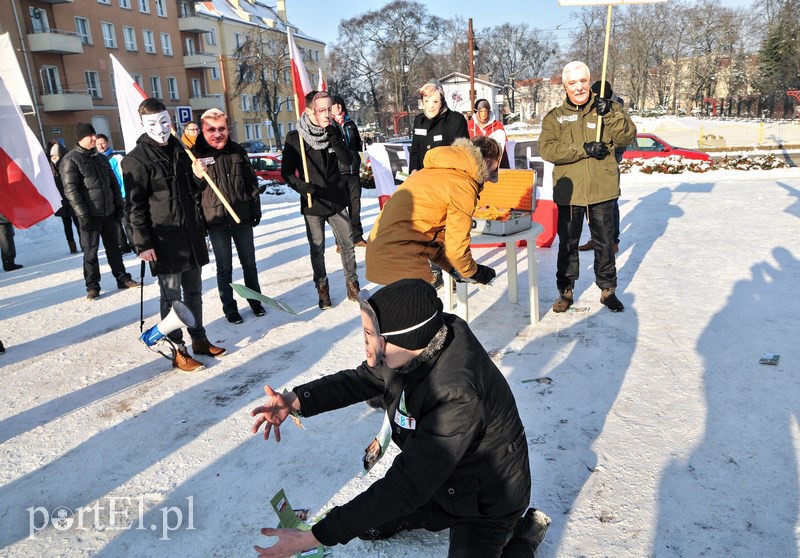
(129, 97)
(28, 192)
(321, 86)
(300, 82)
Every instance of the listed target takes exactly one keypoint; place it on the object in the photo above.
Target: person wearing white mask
(167, 230)
(436, 126)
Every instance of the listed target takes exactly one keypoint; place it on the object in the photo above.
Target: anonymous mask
(157, 126)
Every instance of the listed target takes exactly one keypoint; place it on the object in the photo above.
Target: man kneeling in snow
(464, 461)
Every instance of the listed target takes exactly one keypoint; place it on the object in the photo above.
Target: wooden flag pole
(210, 181)
(302, 145)
(605, 67)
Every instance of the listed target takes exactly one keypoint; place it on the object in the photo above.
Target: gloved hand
(305, 187)
(85, 223)
(596, 149)
(334, 134)
(484, 275)
(602, 105)
(256, 220)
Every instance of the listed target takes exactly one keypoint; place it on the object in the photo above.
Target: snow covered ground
(655, 432)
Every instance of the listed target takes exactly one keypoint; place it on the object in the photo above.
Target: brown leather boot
(586, 247)
(564, 301)
(72, 248)
(204, 347)
(324, 296)
(183, 361)
(610, 299)
(352, 290)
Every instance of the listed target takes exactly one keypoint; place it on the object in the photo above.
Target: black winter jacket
(162, 204)
(89, 183)
(332, 194)
(468, 452)
(440, 130)
(233, 174)
(353, 141)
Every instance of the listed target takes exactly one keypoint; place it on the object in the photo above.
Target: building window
(254, 107)
(113, 86)
(51, 82)
(144, 6)
(188, 44)
(238, 39)
(104, 2)
(166, 44)
(93, 84)
(245, 103)
(214, 72)
(257, 129)
(248, 131)
(291, 126)
(155, 87)
(280, 130)
(289, 104)
(109, 35)
(211, 38)
(196, 90)
(129, 34)
(125, 4)
(161, 8)
(186, 9)
(172, 86)
(138, 79)
(149, 41)
(82, 29)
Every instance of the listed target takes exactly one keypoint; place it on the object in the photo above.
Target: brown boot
(72, 248)
(352, 290)
(324, 296)
(610, 299)
(564, 301)
(586, 247)
(204, 347)
(183, 361)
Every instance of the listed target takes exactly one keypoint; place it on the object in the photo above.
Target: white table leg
(462, 301)
(447, 295)
(533, 281)
(511, 268)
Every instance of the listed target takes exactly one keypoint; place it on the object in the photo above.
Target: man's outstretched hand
(290, 542)
(274, 412)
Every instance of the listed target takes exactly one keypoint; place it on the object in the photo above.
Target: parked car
(648, 146)
(267, 166)
(254, 146)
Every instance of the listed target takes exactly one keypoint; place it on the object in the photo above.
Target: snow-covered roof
(255, 12)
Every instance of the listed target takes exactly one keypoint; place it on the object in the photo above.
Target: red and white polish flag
(129, 97)
(300, 82)
(321, 85)
(28, 192)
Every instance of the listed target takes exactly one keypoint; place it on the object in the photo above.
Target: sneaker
(610, 299)
(564, 301)
(258, 309)
(92, 294)
(234, 317)
(128, 284)
(11, 266)
(532, 527)
(204, 347)
(352, 290)
(586, 247)
(183, 361)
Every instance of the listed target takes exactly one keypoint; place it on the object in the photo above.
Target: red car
(648, 146)
(266, 166)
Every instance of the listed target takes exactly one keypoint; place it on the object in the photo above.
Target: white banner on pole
(604, 2)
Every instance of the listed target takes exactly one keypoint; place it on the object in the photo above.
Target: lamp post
(473, 53)
(405, 98)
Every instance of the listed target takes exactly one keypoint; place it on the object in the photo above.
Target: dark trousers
(315, 232)
(469, 538)
(191, 284)
(354, 209)
(221, 240)
(124, 227)
(106, 228)
(7, 246)
(616, 221)
(601, 226)
(68, 218)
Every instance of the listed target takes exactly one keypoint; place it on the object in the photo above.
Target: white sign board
(604, 2)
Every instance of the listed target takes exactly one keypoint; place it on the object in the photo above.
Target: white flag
(129, 97)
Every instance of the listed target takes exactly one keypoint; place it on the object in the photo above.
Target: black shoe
(92, 294)
(234, 318)
(2, 348)
(128, 284)
(610, 299)
(11, 266)
(258, 309)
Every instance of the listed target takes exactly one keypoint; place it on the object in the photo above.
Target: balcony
(199, 61)
(65, 101)
(202, 104)
(57, 1)
(195, 24)
(55, 42)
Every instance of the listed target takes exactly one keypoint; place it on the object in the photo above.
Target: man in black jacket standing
(93, 192)
(324, 150)
(351, 174)
(233, 175)
(464, 462)
(162, 186)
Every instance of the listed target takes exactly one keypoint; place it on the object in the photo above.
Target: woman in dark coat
(435, 126)
(56, 152)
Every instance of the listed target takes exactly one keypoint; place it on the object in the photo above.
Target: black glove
(334, 134)
(602, 105)
(596, 149)
(484, 275)
(305, 187)
(256, 220)
(85, 223)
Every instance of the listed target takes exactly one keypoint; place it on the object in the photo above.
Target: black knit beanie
(409, 313)
(83, 129)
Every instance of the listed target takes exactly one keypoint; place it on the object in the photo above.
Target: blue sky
(320, 18)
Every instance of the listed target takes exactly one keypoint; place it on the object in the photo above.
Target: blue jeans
(106, 228)
(315, 231)
(192, 284)
(221, 239)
